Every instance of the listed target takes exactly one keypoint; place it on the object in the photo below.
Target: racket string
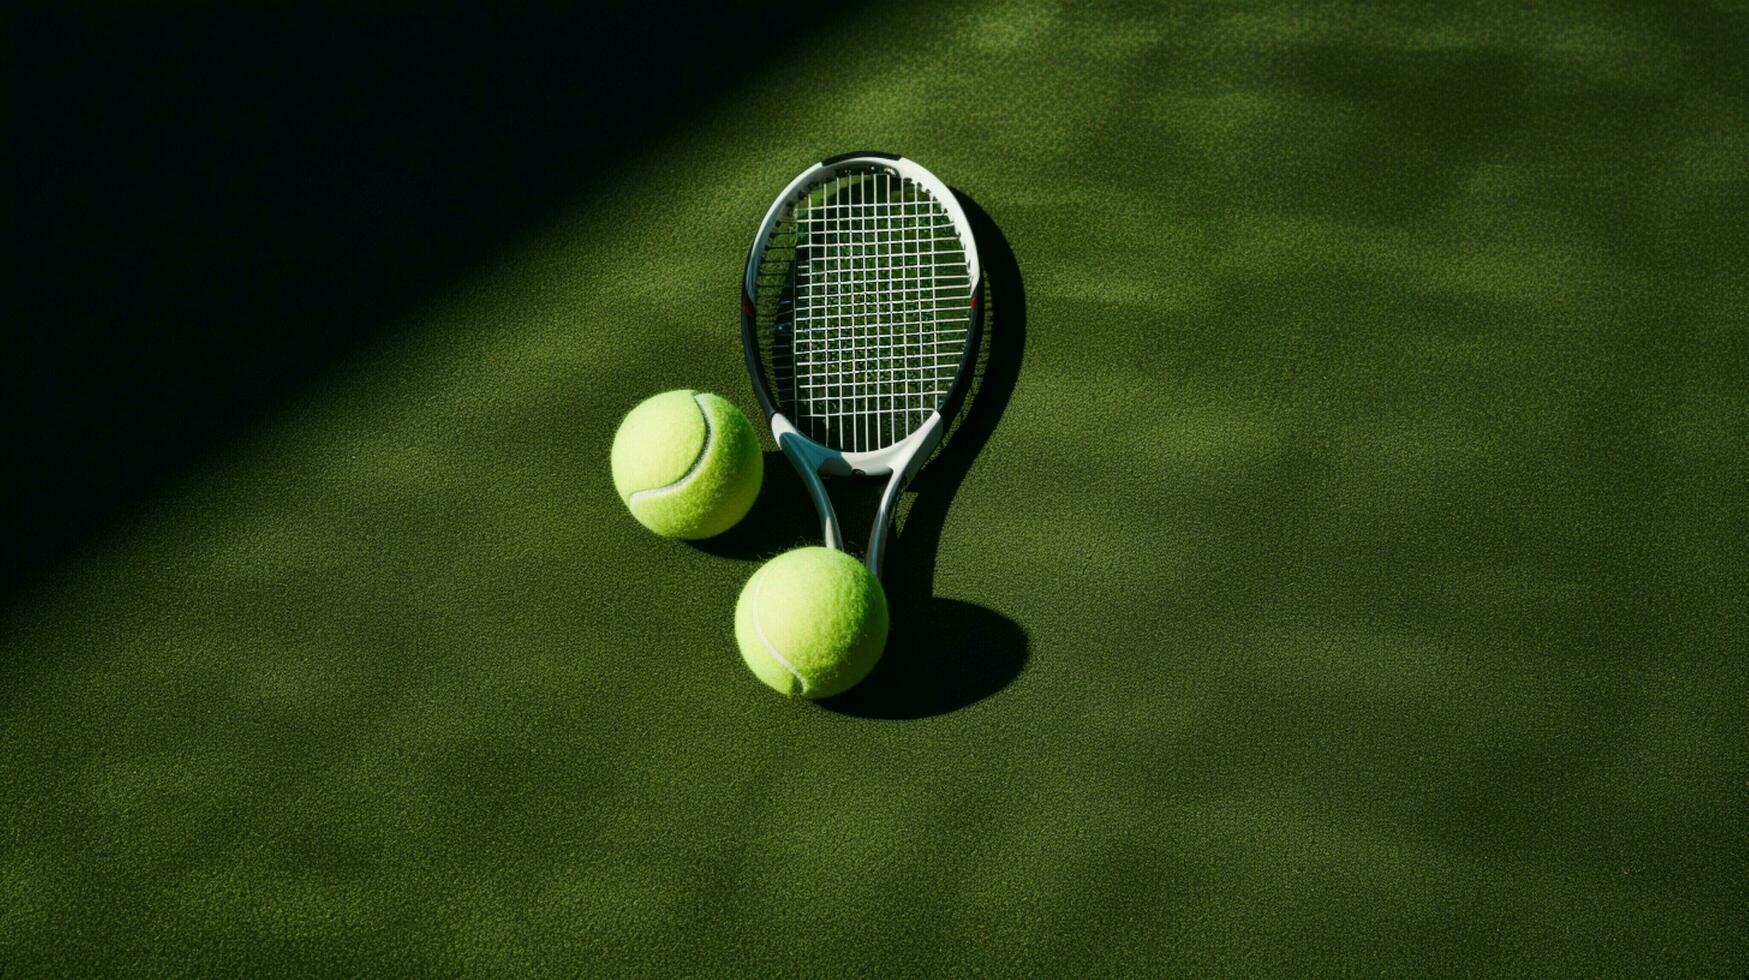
(876, 320)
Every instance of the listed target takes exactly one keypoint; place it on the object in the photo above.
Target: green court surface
(1338, 568)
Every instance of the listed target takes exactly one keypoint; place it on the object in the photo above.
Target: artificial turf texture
(1347, 577)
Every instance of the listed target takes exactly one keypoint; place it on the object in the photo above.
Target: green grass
(1367, 519)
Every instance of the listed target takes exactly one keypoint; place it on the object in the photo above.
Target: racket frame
(900, 461)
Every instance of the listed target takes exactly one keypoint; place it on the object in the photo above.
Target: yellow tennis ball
(812, 622)
(687, 464)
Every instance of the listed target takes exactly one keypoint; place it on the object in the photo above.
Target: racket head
(861, 305)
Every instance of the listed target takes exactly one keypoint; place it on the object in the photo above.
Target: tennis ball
(812, 622)
(687, 464)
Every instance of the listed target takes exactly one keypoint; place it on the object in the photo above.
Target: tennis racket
(860, 313)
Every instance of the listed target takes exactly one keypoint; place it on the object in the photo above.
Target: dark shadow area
(782, 518)
(211, 209)
(944, 654)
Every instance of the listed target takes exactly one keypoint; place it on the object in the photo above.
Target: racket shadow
(945, 654)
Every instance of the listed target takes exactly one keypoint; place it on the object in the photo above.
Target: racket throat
(883, 525)
(920, 445)
(899, 463)
(808, 469)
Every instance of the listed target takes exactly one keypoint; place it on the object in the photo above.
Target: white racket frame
(900, 461)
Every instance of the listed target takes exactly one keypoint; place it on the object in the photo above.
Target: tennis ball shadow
(782, 518)
(942, 655)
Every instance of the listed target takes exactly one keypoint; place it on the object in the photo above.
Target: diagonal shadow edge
(225, 208)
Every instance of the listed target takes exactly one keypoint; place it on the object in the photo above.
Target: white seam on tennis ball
(710, 435)
(757, 589)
